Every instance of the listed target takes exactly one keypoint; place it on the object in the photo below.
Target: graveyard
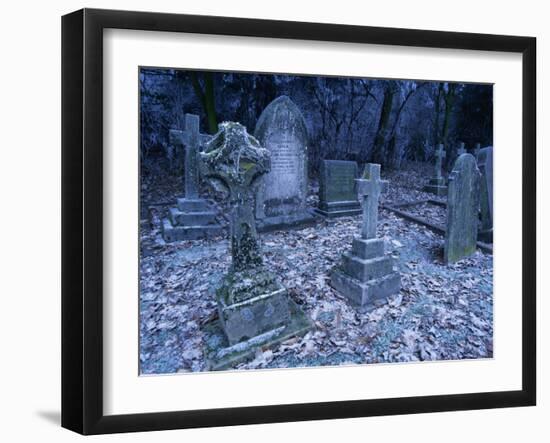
(258, 254)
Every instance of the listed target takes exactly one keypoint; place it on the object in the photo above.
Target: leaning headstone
(436, 185)
(337, 195)
(254, 308)
(485, 165)
(462, 209)
(366, 275)
(193, 217)
(282, 193)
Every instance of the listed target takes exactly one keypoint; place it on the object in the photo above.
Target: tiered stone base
(366, 275)
(254, 311)
(338, 209)
(298, 220)
(192, 219)
(220, 354)
(436, 186)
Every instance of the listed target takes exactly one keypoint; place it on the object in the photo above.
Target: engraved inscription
(283, 181)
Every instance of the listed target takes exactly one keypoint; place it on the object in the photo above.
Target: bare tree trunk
(449, 98)
(379, 146)
(436, 135)
(207, 98)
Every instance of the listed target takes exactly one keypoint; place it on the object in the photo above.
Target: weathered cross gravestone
(366, 275)
(337, 195)
(193, 217)
(461, 149)
(485, 165)
(253, 306)
(436, 185)
(282, 193)
(462, 209)
(477, 150)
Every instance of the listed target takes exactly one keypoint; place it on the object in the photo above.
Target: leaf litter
(441, 313)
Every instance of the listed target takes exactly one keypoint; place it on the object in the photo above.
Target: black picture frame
(82, 215)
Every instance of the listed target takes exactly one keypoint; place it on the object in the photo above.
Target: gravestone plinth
(485, 165)
(254, 308)
(282, 192)
(193, 218)
(437, 185)
(337, 195)
(366, 275)
(462, 209)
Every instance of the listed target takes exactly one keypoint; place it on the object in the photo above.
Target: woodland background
(381, 121)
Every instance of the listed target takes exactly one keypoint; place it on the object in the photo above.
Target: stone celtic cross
(439, 156)
(189, 139)
(369, 188)
(232, 162)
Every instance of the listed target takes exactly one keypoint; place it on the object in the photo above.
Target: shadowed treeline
(382, 121)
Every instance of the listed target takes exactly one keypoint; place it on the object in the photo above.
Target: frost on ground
(441, 313)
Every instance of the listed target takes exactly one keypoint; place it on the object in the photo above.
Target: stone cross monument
(189, 140)
(436, 185)
(461, 149)
(366, 275)
(253, 306)
(193, 217)
(439, 156)
(369, 189)
(477, 150)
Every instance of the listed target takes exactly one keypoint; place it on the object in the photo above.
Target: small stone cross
(190, 139)
(233, 161)
(439, 156)
(461, 149)
(369, 188)
(476, 150)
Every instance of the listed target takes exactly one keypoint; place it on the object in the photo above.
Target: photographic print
(294, 221)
